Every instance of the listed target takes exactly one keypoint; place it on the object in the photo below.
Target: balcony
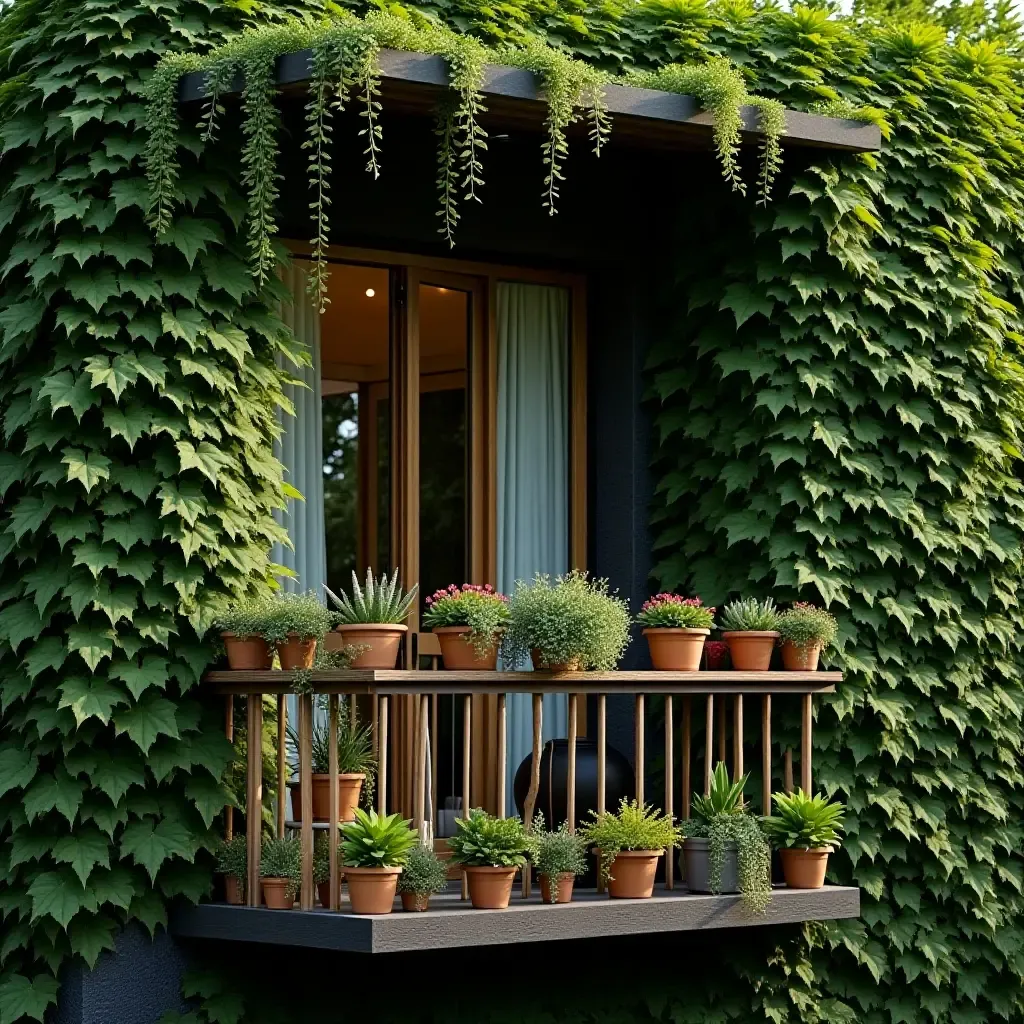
(713, 700)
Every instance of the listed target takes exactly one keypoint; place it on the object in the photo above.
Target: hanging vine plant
(344, 67)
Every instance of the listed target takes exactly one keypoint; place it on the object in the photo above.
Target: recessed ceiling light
(370, 293)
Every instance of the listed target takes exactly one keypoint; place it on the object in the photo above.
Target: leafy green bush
(482, 840)
(233, 858)
(749, 614)
(481, 608)
(804, 625)
(632, 827)
(424, 873)
(674, 612)
(572, 617)
(282, 858)
(377, 841)
(244, 618)
(377, 601)
(559, 851)
(302, 615)
(804, 822)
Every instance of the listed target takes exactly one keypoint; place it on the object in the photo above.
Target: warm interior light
(370, 293)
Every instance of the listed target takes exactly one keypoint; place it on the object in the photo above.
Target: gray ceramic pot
(696, 867)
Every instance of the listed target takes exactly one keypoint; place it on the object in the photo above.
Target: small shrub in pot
(375, 847)
(279, 872)
(805, 829)
(806, 631)
(491, 850)
(423, 876)
(233, 864)
(468, 622)
(560, 856)
(295, 624)
(676, 628)
(373, 617)
(241, 627)
(750, 628)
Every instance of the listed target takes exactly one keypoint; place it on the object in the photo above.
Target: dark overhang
(514, 97)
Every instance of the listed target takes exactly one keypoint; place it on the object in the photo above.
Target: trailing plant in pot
(373, 617)
(233, 863)
(805, 830)
(279, 872)
(630, 843)
(423, 875)
(468, 622)
(725, 849)
(676, 628)
(375, 847)
(491, 850)
(357, 767)
(241, 627)
(568, 624)
(806, 631)
(295, 624)
(750, 628)
(560, 856)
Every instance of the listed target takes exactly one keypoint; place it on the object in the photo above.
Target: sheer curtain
(533, 468)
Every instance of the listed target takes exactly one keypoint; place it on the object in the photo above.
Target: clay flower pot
(490, 888)
(562, 891)
(383, 641)
(572, 665)
(805, 869)
(750, 650)
(632, 874)
(296, 652)
(372, 890)
(349, 788)
(232, 890)
(800, 659)
(247, 653)
(276, 894)
(415, 901)
(323, 894)
(676, 649)
(459, 655)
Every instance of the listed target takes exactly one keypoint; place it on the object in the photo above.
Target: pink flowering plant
(670, 611)
(483, 609)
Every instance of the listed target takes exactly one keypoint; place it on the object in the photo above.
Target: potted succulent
(468, 622)
(423, 875)
(805, 830)
(566, 625)
(232, 863)
(241, 629)
(630, 842)
(373, 618)
(374, 848)
(279, 872)
(356, 765)
(750, 628)
(491, 850)
(676, 628)
(806, 631)
(560, 856)
(295, 623)
(725, 849)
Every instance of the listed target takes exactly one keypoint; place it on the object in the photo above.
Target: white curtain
(533, 468)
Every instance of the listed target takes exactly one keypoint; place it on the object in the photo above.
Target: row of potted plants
(725, 849)
(567, 623)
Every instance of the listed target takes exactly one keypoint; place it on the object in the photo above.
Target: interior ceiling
(354, 328)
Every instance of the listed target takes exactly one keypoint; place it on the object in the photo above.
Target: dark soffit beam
(515, 96)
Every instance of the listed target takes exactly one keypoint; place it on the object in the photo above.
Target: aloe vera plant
(376, 601)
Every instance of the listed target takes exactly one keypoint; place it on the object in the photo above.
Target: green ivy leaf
(22, 997)
(65, 390)
(116, 774)
(56, 894)
(54, 791)
(138, 678)
(17, 768)
(83, 851)
(191, 235)
(90, 697)
(149, 843)
(92, 643)
(91, 934)
(153, 716)
(88, 467)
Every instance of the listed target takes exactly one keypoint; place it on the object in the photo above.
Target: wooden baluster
(306, 790)
(686, 729)
(421, 760)
(766, 754)
(254, 793)
(332, 824)
(229, 735)
(467, 737)
(737, 737)
(602, 752)
(805, 745)
(570, 775)
(502, 755)
(722, 746)
(670, 797)
(638, 746)
(787, 771)
(374, 725)
(434, 730)
(531, 795)
(709, 737)
(282, 763)
(382, 755)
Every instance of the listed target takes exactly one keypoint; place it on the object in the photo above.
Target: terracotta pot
(415, 901)
(805, 869)
(349, 788)
(323, 893)
(232, 890)
(247, 653)
(458, 653)
(276, 893)
(751, 650)
(490, 888)
(572, 665)
(372, 890)
(800, 659)
(296, 652)
(676, 650)
(563, 888)
(384, 640)
(632, 874)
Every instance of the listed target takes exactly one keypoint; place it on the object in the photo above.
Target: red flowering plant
(483, 609)
(670, 611)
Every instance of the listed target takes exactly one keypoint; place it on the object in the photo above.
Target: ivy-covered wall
(836, 410)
